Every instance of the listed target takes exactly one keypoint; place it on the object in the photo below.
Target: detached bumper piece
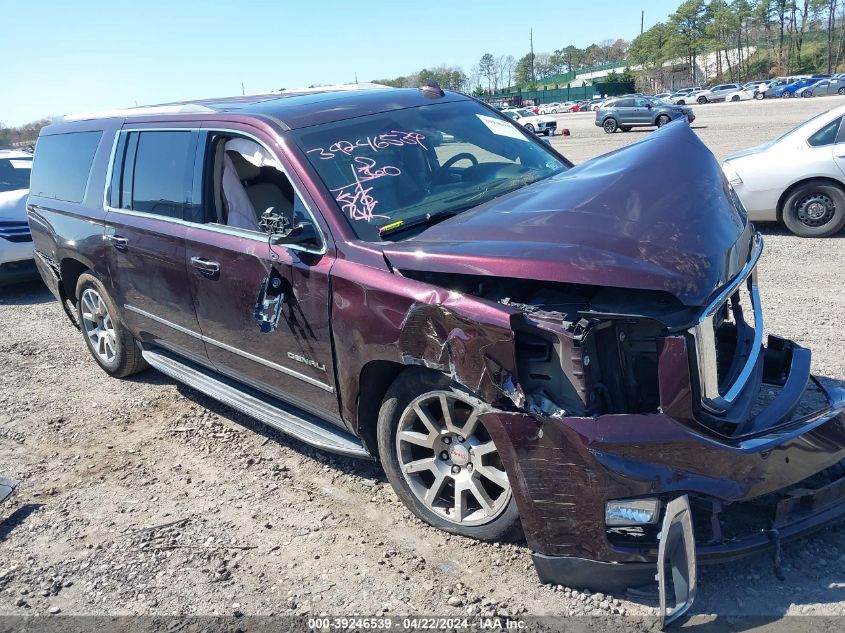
(7, 487)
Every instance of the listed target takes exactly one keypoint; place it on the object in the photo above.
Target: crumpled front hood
(656, 215)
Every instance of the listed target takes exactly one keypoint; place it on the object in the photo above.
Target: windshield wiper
(403, 225)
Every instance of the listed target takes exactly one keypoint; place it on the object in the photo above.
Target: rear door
(149, 195)
(263, 311)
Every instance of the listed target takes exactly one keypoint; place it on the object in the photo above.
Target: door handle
(205, 266)
(120, 243)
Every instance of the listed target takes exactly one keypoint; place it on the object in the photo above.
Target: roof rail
(188, 108)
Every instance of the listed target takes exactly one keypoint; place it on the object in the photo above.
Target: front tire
(841, 91)
(529, 127)
(662, 120)
(701, 100)
(610, 125)
(441, 460)
(807, 94)
(110, 343)
(735, 98)
(786, 95)
(759, 95)
(815, 209)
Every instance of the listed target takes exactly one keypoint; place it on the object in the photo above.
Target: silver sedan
(798, 179)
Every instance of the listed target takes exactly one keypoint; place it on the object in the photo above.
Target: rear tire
(807, 94)
(786, 95)
(815, 209)
(759, 95)
(427, 454)
(841, 91)
(109, 342)
(610, 125)
(735, 98)
(701, 100)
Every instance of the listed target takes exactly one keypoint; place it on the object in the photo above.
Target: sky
(64, 56)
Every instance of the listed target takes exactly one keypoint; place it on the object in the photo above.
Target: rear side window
(62, 165)
(826, 135)
(153, 172)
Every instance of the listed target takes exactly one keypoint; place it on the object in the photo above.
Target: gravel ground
(142, 496)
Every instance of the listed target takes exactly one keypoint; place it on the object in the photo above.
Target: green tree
(524, 72)
(689, 36)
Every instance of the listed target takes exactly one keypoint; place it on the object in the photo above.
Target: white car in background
(740, 95)
(716, 93)
(16, 263)
(550, 108)
(532, 122)
(798, 178)
(684, 98)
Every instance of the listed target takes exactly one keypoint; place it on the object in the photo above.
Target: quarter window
(153, 172)
(826, 135)
(62, 165)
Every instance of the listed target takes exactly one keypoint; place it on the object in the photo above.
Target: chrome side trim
(703, 333)
(234, 350)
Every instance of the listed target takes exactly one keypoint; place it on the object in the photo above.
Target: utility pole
(533, 79)
(243, 90)
(642, 20)
(356, 77)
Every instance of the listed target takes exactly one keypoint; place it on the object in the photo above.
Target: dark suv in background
(572, 354)
(629, 112)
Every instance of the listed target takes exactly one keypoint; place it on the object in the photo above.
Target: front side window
(14, 174)
(245, 184)
(826, 135)
(62, 165)
(392, 171)
(153, 172)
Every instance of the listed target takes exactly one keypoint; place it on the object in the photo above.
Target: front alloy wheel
(442, 460)
(449, 460)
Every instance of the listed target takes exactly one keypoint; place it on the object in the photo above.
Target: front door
(150, 190)
(263, 311)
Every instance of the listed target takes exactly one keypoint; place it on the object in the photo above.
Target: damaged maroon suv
(575, 354)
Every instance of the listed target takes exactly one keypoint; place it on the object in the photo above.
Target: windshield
(525, 112)
(14, 173)
(396, 169)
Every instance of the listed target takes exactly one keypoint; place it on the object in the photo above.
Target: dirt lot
(141, 496)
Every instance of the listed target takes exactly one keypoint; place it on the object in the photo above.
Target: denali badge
(307, 361)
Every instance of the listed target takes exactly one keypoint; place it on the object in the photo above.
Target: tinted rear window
(62, 165)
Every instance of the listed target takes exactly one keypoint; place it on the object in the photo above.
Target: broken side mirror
(676, 570)
(303, 233)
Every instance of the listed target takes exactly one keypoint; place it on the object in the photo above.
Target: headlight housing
(730, 174)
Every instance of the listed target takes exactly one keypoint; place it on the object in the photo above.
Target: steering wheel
(458, 157)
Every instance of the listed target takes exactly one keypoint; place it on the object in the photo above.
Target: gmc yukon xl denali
(572, 354)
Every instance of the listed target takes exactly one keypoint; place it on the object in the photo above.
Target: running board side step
(281, 416)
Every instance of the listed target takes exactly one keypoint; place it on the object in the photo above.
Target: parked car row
(16, 263)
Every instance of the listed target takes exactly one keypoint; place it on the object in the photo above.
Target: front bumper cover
(563, 470)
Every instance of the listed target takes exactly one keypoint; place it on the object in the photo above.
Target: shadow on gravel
(26, 293)
(775, 228)
(17, 518)
(358, 467)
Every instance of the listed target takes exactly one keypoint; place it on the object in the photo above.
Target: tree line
(497, 73)
(746, 39)
(21, 135)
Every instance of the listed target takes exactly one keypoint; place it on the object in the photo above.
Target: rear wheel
(110, 343)
(441, 460)
(841, 91)
(610, 125)
(815, 209)
(680, 102)
(662, 120)
(735, 98)
(702, 100)
(759, 95)
(807, 94)
(786, 95)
